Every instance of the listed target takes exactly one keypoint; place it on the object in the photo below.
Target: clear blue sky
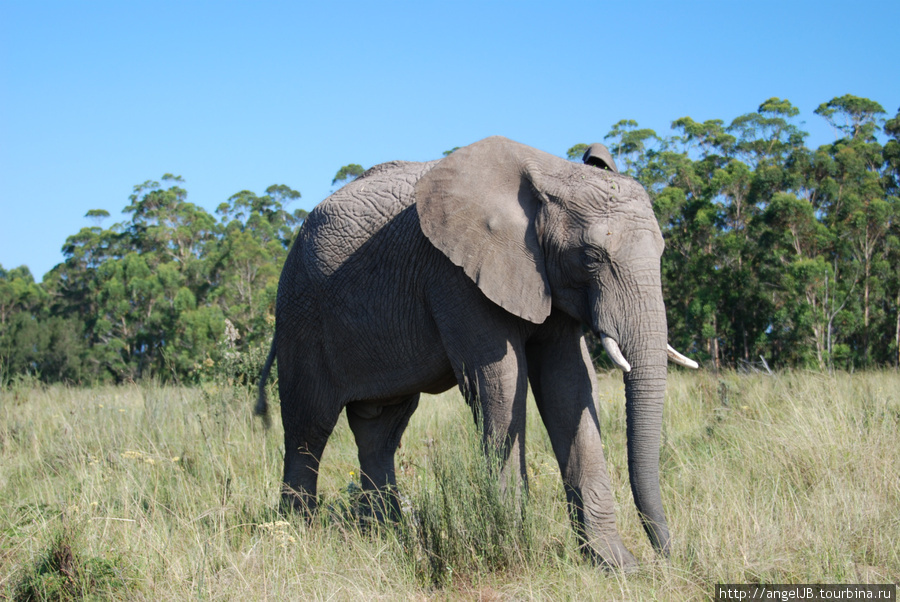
(96, 97)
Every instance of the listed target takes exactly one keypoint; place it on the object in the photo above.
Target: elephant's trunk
(644, 346)
(644, 393)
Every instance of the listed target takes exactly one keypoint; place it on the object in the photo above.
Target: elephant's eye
(592, 258)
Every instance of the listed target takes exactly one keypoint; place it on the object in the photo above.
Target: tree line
(773, 250)
(173, 293)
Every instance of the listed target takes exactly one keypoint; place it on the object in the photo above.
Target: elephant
(479, 270)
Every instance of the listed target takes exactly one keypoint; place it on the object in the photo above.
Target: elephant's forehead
(595, 194)
(614, 211)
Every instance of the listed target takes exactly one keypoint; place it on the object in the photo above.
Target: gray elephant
(479, 271)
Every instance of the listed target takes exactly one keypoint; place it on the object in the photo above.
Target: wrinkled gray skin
(479, 271)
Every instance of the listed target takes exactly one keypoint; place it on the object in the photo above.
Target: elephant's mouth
(615, 354)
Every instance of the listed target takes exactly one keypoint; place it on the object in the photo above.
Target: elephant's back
(341, 224)
(353, 288)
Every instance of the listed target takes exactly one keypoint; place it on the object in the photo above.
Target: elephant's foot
(611, 554)
(298, 502)
(379, 505)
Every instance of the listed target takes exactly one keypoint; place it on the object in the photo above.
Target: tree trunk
(866, 315)
(746, 347)
(715, 342)
(897, 329)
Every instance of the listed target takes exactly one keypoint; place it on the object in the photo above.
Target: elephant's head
(534, 231)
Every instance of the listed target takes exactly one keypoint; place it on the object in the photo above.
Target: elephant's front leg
(495, 384)
(562, 378)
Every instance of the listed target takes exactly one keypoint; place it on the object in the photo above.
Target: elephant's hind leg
(305, 434)
(378, 428)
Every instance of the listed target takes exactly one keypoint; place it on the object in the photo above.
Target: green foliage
(773, 249)
(151, 297)
(233, 365)
(348, 173)
(630, 142)
(33, 340)
(98, 215)
(767, 134)
(851, 115)
(63, 572)
(576, 152)
(466, 521)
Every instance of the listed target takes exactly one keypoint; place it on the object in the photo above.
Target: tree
(348, 173)
(854, 204)
(165, 224)
(772, 248)
(576, 152)
(802, 281)
(19, 296)
(631, 143)
(852, 116)
(257, 233)
(891, 183)
(32, 340)
(97, 215)
(767, 135)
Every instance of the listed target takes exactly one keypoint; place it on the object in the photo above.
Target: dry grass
(158, 493)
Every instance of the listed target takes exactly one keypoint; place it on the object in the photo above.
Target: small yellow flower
(277, 525)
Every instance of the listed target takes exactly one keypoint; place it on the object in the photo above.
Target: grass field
(164, 493)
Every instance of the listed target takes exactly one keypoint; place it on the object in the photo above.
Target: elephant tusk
(615, 354)
(677, 358)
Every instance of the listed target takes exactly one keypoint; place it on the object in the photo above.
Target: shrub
(64, 572)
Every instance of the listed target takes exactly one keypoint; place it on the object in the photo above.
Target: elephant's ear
(598, 156)
(478, 207)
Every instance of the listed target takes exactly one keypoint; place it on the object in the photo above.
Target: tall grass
(150, 492)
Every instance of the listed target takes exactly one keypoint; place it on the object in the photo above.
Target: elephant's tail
(262, 404)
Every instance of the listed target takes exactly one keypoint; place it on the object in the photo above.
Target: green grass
(164, 493)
